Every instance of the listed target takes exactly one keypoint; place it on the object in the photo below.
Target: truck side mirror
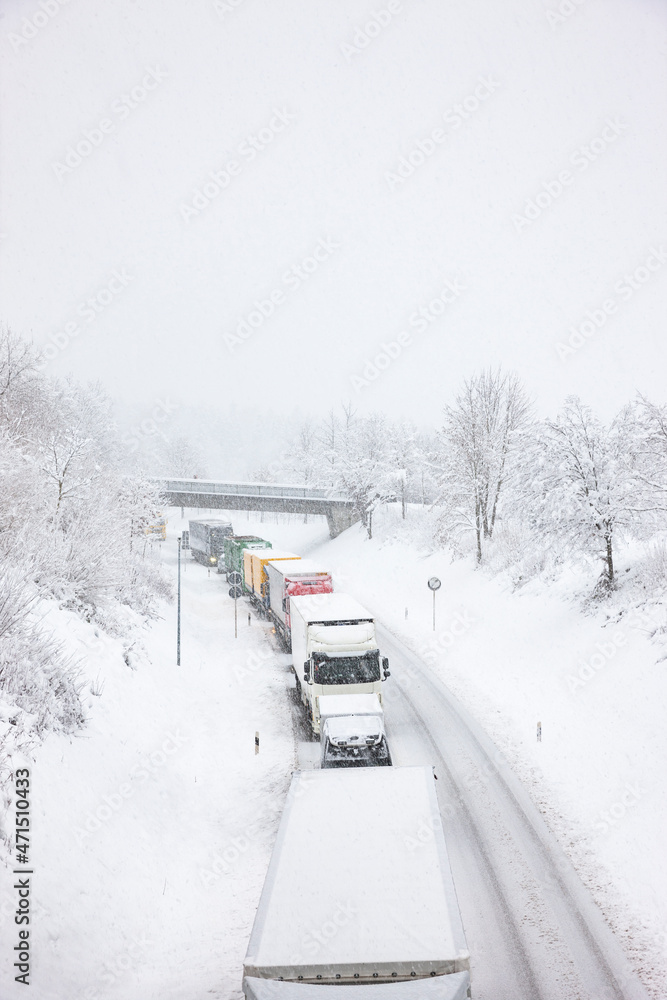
(284, 604)
(385, 667)
(306, 671)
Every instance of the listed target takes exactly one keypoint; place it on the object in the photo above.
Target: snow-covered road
(532, 929)
(149, 873)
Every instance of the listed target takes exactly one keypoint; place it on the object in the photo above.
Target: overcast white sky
(333, 122)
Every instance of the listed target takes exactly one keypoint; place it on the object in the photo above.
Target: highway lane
(533, 930)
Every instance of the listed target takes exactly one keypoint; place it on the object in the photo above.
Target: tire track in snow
(456, 739)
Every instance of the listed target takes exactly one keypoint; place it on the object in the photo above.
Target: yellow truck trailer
(254, 573)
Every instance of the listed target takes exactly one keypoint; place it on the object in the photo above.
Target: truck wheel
(298, 690)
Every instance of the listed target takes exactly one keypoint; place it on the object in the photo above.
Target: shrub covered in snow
(72, 528)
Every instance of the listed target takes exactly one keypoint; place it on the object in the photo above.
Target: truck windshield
(347, 669)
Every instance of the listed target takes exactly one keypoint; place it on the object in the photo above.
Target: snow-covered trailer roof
(329, 608)
(349, 704)
(359, 882)
(212, 523)
(254, 561)
(454, 987)
(306, 567)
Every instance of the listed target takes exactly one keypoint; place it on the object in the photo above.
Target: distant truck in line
(206, 540)
(157, 528)
(286, 580)
(359, 893)
(352, 731)
(334, 650)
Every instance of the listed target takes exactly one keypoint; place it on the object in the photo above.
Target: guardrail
(249, 489)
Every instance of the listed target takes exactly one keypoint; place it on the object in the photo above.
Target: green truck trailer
(233, 547)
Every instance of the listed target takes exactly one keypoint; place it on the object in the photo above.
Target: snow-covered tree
(476, 450)
(70, 442)
(649, 448)
(183, 459)
(365, 470)
(584, 490)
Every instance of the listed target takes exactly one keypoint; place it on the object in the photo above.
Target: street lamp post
(178, 611)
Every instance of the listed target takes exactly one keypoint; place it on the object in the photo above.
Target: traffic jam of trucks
(348, 905)
(206, 540)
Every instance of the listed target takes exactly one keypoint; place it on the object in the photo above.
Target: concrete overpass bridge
(338, 510)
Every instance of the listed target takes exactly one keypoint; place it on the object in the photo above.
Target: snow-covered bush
(516, 551)
(72, 528)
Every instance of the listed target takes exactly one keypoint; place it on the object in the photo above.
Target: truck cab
(335, 650)
(352, 731)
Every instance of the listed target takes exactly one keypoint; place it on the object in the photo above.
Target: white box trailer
(359, 893)
(334, 650)
(285, 582)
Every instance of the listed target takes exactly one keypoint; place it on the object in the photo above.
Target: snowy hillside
(153, 827)
(595, 683)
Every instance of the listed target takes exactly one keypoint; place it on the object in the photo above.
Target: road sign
(235, 592)
(235, 579)
(434, 584)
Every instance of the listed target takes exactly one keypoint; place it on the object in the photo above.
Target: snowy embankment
(152, 827)
(519, 659)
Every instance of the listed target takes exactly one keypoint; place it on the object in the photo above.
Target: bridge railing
(249, 489)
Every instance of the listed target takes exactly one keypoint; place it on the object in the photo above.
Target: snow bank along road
(533, 931)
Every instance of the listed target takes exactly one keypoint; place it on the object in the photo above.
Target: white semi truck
(359, 900)
(352, 731)
(334, 650)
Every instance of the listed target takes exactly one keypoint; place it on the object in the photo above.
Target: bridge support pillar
(339, 520)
